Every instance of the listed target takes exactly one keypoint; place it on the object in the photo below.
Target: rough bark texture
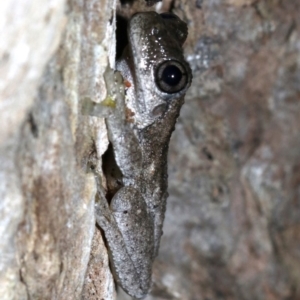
(233, 216)
(47, 195)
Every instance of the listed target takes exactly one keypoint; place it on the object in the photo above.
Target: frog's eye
(171, 76)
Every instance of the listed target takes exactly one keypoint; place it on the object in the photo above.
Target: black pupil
(171, 75)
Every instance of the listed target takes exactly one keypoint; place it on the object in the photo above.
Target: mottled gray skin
(139, 130)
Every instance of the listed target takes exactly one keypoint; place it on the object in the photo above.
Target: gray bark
(233, 215)
(52, 56)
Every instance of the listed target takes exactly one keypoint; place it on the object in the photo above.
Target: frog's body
(158, 77)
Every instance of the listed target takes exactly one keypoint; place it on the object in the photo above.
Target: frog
(146, 94)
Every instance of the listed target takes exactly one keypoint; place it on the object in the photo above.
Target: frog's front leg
(127, 224)
(126, 147)
(129, 233)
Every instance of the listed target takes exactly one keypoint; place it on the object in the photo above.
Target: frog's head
(154, 65)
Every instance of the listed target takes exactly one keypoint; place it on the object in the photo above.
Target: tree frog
(131, 211)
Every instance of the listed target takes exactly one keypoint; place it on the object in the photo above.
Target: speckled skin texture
(139, 129)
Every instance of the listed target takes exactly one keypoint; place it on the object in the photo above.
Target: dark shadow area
(121, 35)
(124, 2)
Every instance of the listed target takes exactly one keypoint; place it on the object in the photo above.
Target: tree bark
(233, 215)
(52, 56)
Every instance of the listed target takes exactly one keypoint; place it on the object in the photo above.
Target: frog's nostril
(159, 110)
